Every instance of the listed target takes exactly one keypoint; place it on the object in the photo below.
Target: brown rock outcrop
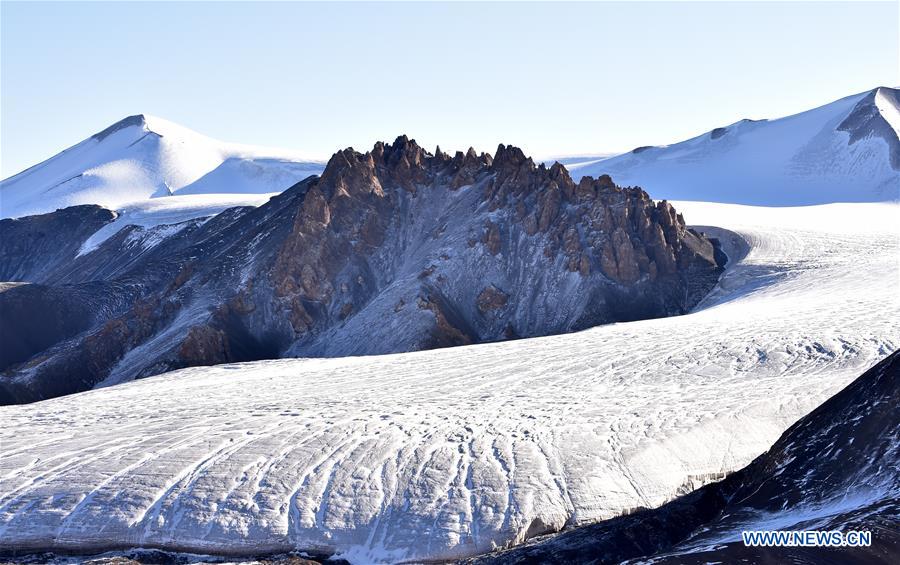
(491, 298)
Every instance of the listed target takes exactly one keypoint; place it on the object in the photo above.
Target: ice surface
(802, 159)
(447, 453)
(145, 157)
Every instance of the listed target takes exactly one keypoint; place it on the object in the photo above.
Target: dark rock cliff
(32, 248)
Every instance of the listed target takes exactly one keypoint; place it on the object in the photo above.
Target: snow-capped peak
(142, 157)
(138, 120)
(845, 151)
(149, 124)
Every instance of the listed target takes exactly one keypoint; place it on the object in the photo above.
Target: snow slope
(446, 453)
(846, 151)
(144, 157)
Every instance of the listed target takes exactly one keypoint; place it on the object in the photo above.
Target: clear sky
(554, 79)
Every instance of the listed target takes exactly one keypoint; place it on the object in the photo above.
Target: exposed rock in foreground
(392, 250)
(837, 468)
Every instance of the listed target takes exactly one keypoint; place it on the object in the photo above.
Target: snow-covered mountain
(846, 151)
(451, 452)
(143, 157)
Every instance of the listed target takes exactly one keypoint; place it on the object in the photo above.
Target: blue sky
(552, 78)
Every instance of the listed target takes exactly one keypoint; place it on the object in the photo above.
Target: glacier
(448, 453)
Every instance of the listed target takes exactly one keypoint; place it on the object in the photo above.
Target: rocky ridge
(395, 249)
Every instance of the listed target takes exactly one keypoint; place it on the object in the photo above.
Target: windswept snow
(145, 157)
(845, 151)
(447, 453)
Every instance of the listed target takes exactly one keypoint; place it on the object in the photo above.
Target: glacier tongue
(447, 453)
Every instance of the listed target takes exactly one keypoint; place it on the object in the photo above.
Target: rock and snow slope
(835, 469)
(389, 251)
(144, 157)
(448, 453)
(845, 151)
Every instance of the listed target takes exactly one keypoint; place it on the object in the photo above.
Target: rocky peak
(350, 173)
(405, 149)
(595, 225)
(560, 174)
(402, 162)
(509, 157)
(406, 164)
(594, 228)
